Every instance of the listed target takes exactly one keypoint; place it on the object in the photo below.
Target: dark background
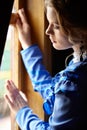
(5, 14)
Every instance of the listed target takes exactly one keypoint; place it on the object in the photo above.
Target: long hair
(72, 17)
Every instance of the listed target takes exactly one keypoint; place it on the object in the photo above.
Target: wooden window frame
(38, 22)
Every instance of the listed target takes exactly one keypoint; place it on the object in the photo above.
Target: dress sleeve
(40, 77)
(27, 120)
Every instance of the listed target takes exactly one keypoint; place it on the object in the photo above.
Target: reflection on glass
(5, 73)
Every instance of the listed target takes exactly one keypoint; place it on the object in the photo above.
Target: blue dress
(64, 94)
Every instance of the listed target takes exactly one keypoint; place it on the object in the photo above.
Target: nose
(49, 30)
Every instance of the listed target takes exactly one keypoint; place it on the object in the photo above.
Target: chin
(60, 47)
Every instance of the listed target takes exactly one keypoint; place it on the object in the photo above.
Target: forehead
(51, 14)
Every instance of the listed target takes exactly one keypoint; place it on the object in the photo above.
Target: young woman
(65, 94)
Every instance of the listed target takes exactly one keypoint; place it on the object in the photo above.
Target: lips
(52, 40)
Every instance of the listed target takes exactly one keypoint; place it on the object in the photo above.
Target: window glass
(5, 73)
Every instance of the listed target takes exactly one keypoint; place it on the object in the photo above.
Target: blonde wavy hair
(72, 17)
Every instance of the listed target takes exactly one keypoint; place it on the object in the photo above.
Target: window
(5, 73)
(15, 67)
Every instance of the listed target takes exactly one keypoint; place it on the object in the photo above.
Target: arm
(61, 118)
(18, 104)
(40, 77)
(32, 58)
(70, 97)
(27, 120)
(25, 117)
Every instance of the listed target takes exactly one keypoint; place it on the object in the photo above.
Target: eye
(56, 26)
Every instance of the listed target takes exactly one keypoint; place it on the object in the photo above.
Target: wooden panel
(35, 14)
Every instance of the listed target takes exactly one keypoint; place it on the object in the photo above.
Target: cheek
(62, 42)
(61, 38)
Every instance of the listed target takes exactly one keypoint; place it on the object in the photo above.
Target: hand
(23, 28)
(14, 98)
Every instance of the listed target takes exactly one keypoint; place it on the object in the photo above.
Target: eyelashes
(56, 26)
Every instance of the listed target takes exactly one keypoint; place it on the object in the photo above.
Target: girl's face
(58, 38)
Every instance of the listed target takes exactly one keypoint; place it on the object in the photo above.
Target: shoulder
(72, 77)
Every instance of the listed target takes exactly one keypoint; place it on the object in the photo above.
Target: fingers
(7, 99)
(21, 22)
(12, 92)
(22, 15)
(13, 97)
(21, 19)
(18, 24)
(10, 86)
